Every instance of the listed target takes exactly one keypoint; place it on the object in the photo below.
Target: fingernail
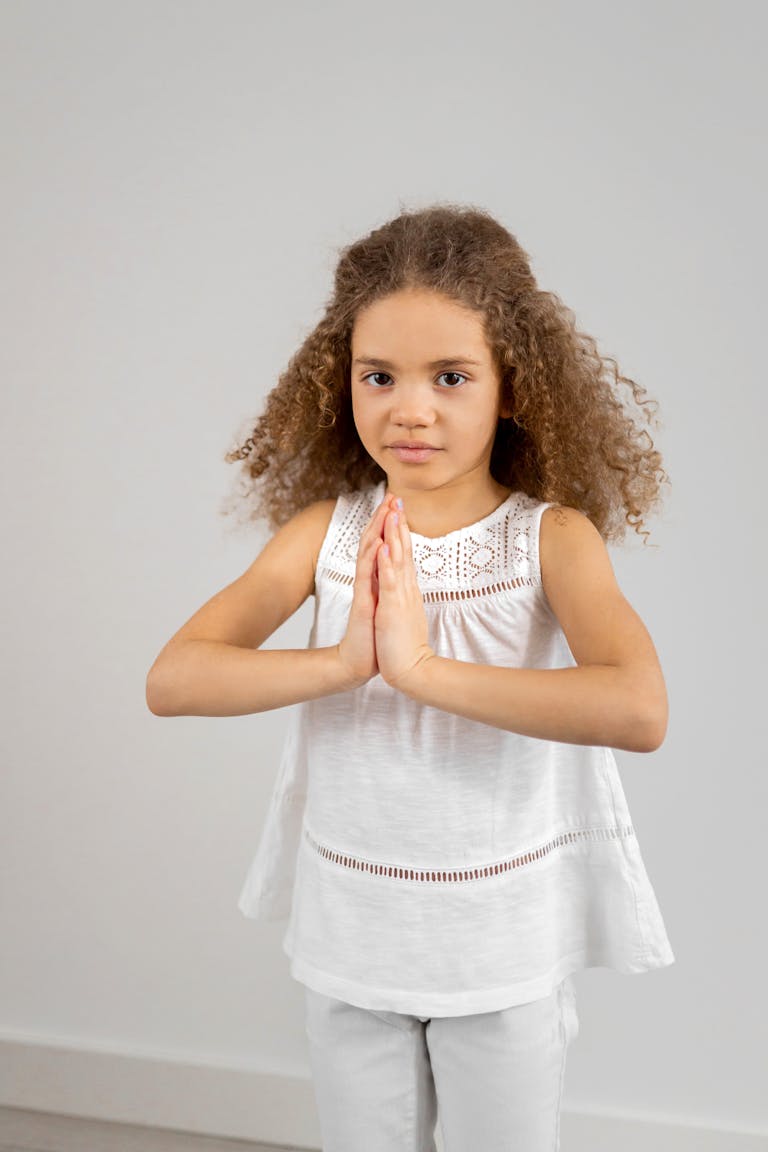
(395, 517)
(399, 502)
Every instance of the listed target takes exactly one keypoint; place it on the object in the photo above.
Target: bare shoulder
(295, 546)
(568, 537)
(601, 626)
(282, 576)
(576, 569)
(312, 524)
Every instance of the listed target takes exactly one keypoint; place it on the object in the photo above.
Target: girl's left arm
(615, 696)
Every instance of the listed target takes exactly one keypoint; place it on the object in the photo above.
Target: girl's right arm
(214, 665)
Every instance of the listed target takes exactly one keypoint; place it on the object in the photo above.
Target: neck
(438, 511)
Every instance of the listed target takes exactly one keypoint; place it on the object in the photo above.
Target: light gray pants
(497, 1076)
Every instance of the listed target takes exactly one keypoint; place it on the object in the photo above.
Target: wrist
(411, 682)
(349, 679)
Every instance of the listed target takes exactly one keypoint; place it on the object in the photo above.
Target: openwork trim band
(400, 872)
(435, 595)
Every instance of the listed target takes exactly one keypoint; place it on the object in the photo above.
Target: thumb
(366, 580)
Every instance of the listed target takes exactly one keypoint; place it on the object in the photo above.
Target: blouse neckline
(483, 522)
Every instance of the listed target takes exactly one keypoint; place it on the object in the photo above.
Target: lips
(413, 455)
(412, 444)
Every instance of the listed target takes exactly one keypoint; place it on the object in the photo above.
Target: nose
(413, 407)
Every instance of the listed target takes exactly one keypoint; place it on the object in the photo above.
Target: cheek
(476, 424)
(358, 415)
(364, 426)
(359, 406)
(478, 432)
(360, 418)
(364, 413)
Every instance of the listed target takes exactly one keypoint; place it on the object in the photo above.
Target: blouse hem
(464, 1004)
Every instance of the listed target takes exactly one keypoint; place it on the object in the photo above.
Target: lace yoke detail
(498, 553)
(451, 875)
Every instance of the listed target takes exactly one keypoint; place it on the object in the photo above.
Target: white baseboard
(163, 1093)
(248, 1104)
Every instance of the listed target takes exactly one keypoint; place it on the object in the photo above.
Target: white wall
(176, 179)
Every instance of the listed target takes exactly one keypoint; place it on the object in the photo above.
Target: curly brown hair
(570, 439)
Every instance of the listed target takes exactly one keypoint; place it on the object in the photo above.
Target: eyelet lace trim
(399, 872)
(433, 595)
(499, 552)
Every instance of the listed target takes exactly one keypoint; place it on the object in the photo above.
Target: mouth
(414, 452)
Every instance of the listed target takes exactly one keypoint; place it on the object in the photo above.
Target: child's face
(453, 406)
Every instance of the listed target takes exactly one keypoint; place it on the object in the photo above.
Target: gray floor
(24, 1131)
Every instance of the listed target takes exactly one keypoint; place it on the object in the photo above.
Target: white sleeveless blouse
(435, 865)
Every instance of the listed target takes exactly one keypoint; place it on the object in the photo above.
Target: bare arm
(582, 705)
(615, 696)
(211, 678)
(213, 665)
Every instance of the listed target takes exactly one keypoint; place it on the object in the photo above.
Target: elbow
(650, 740)
(646, 703)
(153, 699)
(166, 690)
(651, 729)
(156, 697)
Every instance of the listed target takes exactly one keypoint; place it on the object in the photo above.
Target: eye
(371, 375)
(453, 374)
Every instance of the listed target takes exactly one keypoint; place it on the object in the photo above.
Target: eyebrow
(446, 362)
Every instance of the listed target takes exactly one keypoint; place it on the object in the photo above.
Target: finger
(390, 504)
(393, 538)
(374, 526)
(378, 514)
(383, 561)
(405, 536)
(367, 565)
(366, 550)
(366, 590)
(372, 545)
(373, 574)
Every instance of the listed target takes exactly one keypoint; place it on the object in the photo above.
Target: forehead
(424, 326)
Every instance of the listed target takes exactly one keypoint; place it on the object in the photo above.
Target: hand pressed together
(400, 623)
(387, 628)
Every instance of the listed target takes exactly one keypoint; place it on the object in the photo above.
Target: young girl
(443, 460)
